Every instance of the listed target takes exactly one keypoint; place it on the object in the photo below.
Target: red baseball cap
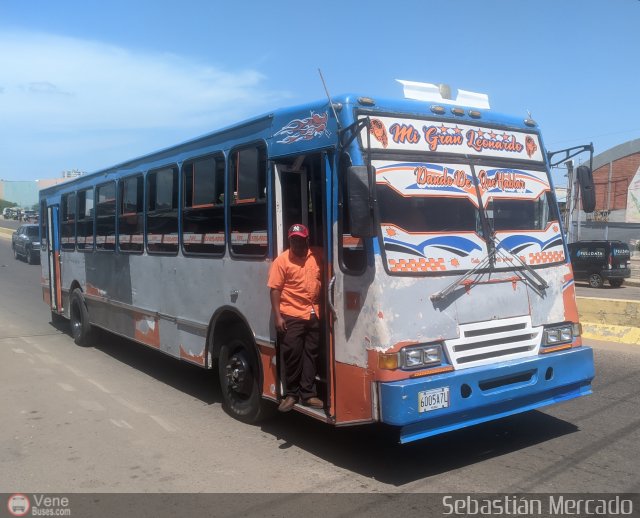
(298, 229)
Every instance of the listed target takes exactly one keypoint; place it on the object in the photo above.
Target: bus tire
(240, 381)
(596, 280)
(81, 329)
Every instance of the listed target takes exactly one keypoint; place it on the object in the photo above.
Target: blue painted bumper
(491, 392)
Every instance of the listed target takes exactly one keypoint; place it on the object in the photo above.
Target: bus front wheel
(81, 329)
(240, 381)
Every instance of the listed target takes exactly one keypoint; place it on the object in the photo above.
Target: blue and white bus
(448, 292)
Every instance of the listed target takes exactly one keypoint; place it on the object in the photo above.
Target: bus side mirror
(587, 188)
(360, 189)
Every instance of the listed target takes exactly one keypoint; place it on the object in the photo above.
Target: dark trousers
(299, 346)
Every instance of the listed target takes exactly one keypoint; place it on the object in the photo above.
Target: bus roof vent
(441, 93)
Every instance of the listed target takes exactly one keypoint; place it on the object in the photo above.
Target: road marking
(75, 371)
(121, 424)
(163, 424)
(128, 404)
(39, 347)
(19, 351)
(91, 405)
(47, 358)
(100, 387)
(66, 388)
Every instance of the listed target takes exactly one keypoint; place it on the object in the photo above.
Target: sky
(88, 84)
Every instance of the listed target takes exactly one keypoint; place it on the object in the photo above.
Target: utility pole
(569, 202)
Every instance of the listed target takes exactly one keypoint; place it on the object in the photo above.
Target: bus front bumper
(481, 394)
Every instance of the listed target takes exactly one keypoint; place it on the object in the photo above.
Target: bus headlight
(562, 334)
(416, 357)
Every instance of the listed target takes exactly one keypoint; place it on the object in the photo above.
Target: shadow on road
(193, 380)
(369, 450)
(373, 450)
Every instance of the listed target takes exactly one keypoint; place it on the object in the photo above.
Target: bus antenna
(326, 90)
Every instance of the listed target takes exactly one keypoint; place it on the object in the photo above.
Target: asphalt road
(118, 417)
(607, 292)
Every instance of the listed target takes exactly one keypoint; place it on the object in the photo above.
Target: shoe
(313, 402)
(287, 404)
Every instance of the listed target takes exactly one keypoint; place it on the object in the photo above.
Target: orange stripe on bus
(147, 330)
(193, 358)
(353, 393)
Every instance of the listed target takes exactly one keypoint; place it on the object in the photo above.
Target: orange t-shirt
(300, 281)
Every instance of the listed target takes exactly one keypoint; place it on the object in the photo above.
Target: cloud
(44, 87)
(55, 85)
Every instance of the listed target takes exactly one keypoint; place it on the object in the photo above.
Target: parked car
(25, 242)
(597, 261)
(10, 213)
(29, 216)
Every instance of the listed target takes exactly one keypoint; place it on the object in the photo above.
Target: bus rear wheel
(240, 381)
(81, 329)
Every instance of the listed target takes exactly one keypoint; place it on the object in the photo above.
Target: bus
(448, 294)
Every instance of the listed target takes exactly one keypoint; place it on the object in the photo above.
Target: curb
(610, 320)
(610, 333)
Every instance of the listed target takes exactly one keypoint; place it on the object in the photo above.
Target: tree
(4, 204)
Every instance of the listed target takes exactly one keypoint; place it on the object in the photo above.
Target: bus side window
(106, 216)
(131, 214)
(84, 228)
(68, 224)
(44, 228)
(248, 168)
(203, 212)
(162, 211)
(351, 250)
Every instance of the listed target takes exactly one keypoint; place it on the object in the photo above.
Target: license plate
(433, 399)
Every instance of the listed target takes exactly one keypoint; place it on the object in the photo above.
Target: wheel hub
(238, 373)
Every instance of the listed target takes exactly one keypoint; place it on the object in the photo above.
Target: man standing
(295, 282)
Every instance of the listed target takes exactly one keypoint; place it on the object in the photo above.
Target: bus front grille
(493, 341)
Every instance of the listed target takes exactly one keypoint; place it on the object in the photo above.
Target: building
(24, 193)
(616, 175)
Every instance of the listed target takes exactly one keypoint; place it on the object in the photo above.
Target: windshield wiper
(531, 276)
(486, 262)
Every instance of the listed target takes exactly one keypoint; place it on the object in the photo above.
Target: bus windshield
(523, 214)
(421, 214)
(439, 217)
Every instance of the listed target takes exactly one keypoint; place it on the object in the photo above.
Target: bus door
(53, 259)
(300, 196)
(355, 398)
